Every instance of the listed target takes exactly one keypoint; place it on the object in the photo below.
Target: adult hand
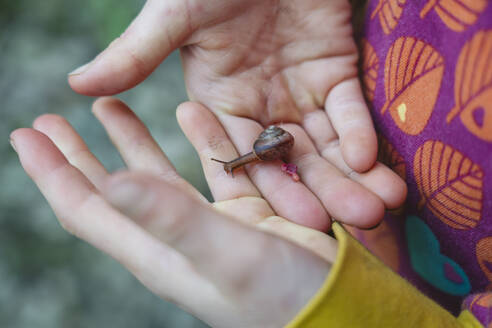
(256, 62)
(227, 265)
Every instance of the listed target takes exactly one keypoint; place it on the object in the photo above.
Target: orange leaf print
(370, 67)
(473, 86)
(483, 251)
(388, 155)
(389, 13)
(456, 14)
(484, 300)
(450, 184)
(412, 79)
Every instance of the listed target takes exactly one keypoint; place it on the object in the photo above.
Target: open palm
(228, 273)
(254, 63)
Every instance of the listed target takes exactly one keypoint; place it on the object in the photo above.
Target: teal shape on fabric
(426, 259)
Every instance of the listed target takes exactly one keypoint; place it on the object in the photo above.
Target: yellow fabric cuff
(468, 320)
(361, 291)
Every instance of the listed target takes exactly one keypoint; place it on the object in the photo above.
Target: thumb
(161, 27)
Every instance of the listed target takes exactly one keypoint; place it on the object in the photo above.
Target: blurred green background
(49, 278)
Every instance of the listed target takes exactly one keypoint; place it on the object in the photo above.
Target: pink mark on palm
(291, 169)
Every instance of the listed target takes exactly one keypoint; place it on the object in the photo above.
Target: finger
(231, 254)
(135, 144)
(210, 141)
(83, 212)
(160, 28)
(256, 211)
(316, 241)
(319, 129)
(288, 198)
(350, 117)
(72, 146)
(346, 200)
(249, 210)
(380, 179)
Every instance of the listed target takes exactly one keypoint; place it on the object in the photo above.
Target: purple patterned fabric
(481, 306)
(427, 71)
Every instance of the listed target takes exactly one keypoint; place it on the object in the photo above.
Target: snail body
(273, 143)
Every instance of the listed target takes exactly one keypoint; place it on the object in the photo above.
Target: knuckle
(170, 176)
(217, 142)
(138, 65)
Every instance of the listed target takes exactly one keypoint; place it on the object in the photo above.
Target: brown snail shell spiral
(273, 143)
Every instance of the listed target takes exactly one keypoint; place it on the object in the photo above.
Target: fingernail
(80, 70)
(13, 144)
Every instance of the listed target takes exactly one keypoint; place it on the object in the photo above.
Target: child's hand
(228, 273)
(259, 62)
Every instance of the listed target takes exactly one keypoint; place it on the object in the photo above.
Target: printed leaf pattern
(430, 263)
(412, 80)
(483, 251)
(450, 184)
(480, 305)
(456, 14)
(388, 155)
(389, 13)
(473, 86)
(370, 67)
(484, 300)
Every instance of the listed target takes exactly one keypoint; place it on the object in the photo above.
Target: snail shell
(273, 143)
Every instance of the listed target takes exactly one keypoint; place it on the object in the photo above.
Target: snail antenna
(217, 160)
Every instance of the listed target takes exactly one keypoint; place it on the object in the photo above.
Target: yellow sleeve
(361, 291)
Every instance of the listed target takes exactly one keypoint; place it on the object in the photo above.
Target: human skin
(254, 63)
(232, 263)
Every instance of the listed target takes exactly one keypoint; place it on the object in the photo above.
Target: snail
(273, 143)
